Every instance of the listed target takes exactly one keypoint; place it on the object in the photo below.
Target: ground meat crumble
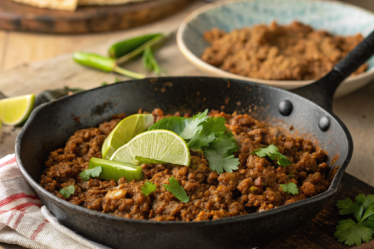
(254, 187)
(278, 52)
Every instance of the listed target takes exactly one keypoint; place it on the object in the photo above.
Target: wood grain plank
(3, 47)
(27, 47)
(86, 19)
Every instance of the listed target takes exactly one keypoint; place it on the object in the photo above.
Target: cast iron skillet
(51, 124)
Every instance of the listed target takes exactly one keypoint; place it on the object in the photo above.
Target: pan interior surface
(51, 125)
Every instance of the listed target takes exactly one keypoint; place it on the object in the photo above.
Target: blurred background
(17, 48)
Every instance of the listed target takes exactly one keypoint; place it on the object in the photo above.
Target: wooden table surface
(20, 76)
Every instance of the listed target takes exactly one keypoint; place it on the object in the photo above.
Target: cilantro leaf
(272, 152)
(369, 224)
(350, 232)
(148, 188)
(186, 128)
(219, 154)
(360, 198)
(368, 212)
(88, 173)
(176, 189)
(175, 124)
(217, 162)
(290, 188)
(366, 201)
(150, 63)
(67, 191)
(208, 133)
(346, 206)
(358, 214)
(193, 125)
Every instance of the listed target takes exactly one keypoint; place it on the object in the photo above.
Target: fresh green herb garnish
(104, 83)
(186, 128)
(207, 134)
(290, 188)
(176, 189)
(88, 173)
(351, 232)
(148, 188)
(211, 129)
(67, 191)
(220, 153)
(272, 152)
(150, 63)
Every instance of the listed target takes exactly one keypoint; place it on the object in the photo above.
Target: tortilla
(106, 2)
(70, 5)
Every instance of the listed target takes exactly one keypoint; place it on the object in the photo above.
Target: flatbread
(106, 2)
(70, 5)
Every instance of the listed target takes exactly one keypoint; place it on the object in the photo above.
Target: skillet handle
(322, 91)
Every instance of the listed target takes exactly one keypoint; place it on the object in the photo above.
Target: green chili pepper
(103, 64)
(95, 61)
(124, 47)
(154, 43)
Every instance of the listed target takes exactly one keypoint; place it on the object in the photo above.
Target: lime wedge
(159, 145)
(125, 131)
(14, 111)
(112, 170)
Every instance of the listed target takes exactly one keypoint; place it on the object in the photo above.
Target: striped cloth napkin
(23, 219)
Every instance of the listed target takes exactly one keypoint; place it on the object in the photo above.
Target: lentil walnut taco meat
(278, 52)
(272, 170)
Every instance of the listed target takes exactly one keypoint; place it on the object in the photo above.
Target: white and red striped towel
(23, 219)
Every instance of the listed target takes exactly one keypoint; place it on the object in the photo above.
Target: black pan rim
(223, 221)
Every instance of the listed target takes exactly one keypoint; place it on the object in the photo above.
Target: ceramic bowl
(338, 18)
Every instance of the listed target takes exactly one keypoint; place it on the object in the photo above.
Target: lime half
(125, 131)
(158, 145)
(14, 111)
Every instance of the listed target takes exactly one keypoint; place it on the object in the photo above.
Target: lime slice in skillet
(125, 131)
(14, 111)
(155, 146)
(112, 170)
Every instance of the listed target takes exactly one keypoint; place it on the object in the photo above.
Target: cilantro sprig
(88, 173)
(177, 190)
(150, 63)
(208, 134)
(148, 188)
(273, 153)
(67, 191)
(290, 188)
(351, 232)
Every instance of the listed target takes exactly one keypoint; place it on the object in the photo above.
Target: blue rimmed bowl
(338, 18)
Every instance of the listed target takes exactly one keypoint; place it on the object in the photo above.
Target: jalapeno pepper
(102, 63)
(124, 47)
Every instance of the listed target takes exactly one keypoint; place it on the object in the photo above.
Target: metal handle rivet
(324, 123)
(285, 107)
